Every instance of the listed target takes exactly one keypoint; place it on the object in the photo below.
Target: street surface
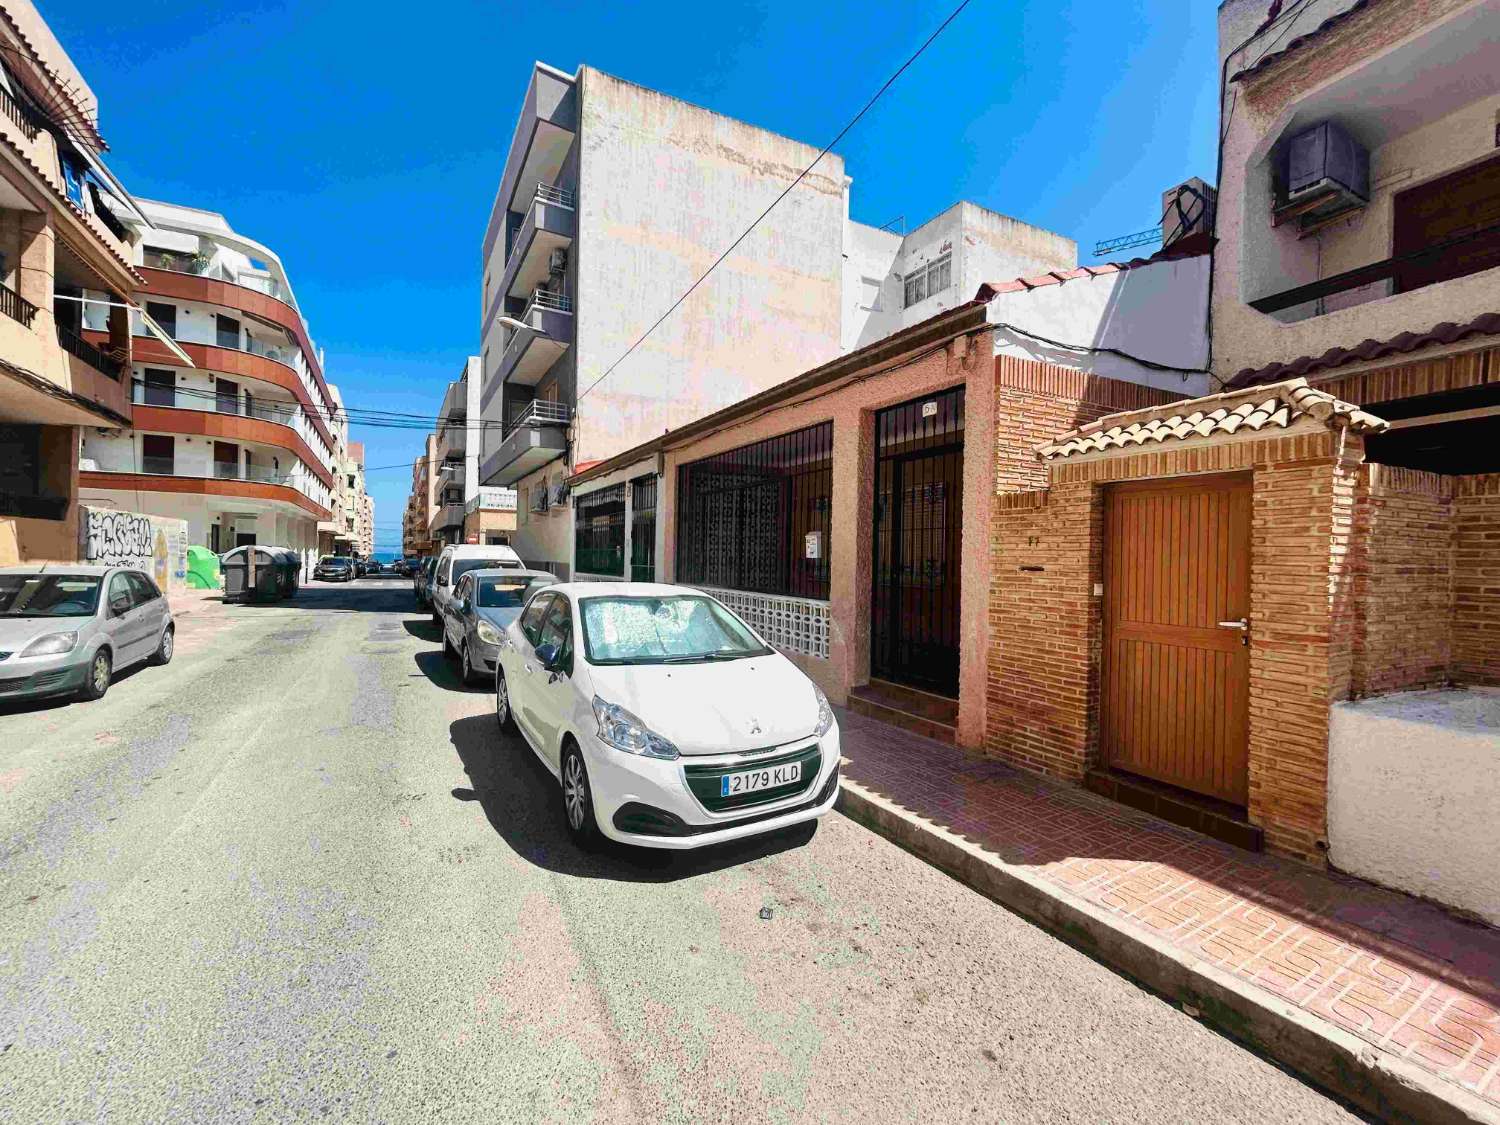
(298, 874)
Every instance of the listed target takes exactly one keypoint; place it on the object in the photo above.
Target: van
(455, 561)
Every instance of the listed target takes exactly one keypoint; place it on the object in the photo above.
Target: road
(298, 874)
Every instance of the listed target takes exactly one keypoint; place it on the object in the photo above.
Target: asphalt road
(298, 874)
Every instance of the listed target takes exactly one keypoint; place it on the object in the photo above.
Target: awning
(151, 326)
(108, 183)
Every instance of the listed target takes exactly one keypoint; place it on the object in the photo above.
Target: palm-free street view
(775, 592)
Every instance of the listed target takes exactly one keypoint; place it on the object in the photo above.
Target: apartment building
(65, 267)
(357, 536)
(233, 423)
(613, 200)
(416, 535)
(332, 532)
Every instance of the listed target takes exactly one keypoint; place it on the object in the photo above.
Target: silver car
(67, 628)
(483, 605)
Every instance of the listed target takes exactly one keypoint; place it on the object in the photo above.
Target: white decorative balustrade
(797, 625)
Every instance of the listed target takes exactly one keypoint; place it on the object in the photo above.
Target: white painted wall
(1156, 312)
(1414, 794)
(872, 284)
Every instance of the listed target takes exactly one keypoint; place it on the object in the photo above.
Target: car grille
(646, 820)
(704, 780)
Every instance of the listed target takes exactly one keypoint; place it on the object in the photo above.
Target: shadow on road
(53, 702)
(522, 803)
(444, 672)
(425, 630)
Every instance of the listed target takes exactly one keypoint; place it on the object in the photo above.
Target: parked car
(400, 567)
(483, 605)
(455, 561)
(373, 566)
(72, 628)
(421, 581)
(360, 567)
(334, 568)
(667, 720)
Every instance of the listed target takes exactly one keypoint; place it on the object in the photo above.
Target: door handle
(1242, 623)
(526, 668)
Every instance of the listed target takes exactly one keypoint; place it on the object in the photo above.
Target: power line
(889, 82)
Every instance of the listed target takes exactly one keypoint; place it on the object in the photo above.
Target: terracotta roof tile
(1190, 247)
(1278, 406)
(1486, 324)
(1271, 59)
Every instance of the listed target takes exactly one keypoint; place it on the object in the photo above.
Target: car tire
(466, 671)
(164, 647)
(578, 799)
(97, 681)
(449, 652)
(503, 715)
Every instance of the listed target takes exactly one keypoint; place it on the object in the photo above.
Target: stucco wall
(156, 544)
(664, 187)
(1413, 789)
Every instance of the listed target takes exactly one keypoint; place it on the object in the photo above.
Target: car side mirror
(442, 581)
(548, 655)
(119, 605)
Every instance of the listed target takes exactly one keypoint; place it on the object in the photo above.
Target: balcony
(23, 118)
(77, 346)
(493, 500)
(15, 306)
(453, 439)
(550, 224)
(447, 517)
(546, 332)
(537, 436)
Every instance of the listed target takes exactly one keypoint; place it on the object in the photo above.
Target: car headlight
(51, 644)
(488, 633)
(622, 730)
(825, 714)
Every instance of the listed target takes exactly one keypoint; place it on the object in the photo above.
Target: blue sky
(365, 148)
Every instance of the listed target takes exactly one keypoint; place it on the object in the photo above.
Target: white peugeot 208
(667, 721)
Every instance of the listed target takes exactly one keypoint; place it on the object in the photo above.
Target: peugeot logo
(754, 726)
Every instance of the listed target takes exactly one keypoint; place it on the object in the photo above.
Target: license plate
(748, 781)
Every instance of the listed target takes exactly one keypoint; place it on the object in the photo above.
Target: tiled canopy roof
(1278, 406)
(1486, 324)
(1192, 246)
(1296, 44)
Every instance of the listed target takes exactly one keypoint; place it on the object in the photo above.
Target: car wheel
(502, 704)
(448, 650)
(578, 799)
(466, 666)
(163, 653)
(96, 683)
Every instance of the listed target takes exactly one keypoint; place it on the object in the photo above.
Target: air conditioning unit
(557, 261)
(539, 499)
(559, 494)
(1324, 172)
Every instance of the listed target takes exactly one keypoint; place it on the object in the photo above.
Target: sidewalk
(1389, 1001)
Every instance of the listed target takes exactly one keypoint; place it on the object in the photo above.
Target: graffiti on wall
(154, 544)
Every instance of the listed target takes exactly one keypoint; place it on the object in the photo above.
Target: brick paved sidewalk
(1403, 976)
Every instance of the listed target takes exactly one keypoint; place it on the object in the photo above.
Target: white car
(456, 560)
(666, 719)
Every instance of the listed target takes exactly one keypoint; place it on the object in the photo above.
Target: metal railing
(15, 306)
(76, 345)
(186, 398)
(538, 413)
(546, 299)
(550, 193)
(18, 113)
(493, 499)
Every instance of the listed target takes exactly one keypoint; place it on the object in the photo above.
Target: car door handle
(526, 668)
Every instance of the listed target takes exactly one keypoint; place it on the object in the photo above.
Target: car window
(558, 628)
(531, 617)
(508, 593)
(119, 587)
(143, 589)
(462, 589)
(49, 595)
(444, 567)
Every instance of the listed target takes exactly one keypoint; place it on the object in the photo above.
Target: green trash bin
(202, 569)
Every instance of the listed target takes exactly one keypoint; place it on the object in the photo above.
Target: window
(160, 388)
(757, 518)
(158, 453)
(531, 619)
(680, 629)
(121, 599)
(557, 630)
(48, 595)
(227, 331)
(165, 316)
(599, 525)
(142, 589)
(929, 280)
(20, 459)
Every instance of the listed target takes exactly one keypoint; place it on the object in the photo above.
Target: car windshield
(506, 593)
(463, 566)
(48, 595)
(676, 629)
(330, 560)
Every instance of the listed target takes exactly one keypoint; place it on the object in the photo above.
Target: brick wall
(1036, 401)
(1402, 569)
(1476, 579)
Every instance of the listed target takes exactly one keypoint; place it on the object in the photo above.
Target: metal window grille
(791, 624)
(940, 274)
(916, 287)
(643, 529)
(757, 518)
(599, 524)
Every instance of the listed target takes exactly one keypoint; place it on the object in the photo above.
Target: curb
(1378, 1082)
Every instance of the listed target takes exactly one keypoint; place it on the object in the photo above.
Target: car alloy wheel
(97, 682)
(502, 702)
(164, 649)
(575, 791)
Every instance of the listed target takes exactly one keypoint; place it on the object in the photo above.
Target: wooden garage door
(1175, 680)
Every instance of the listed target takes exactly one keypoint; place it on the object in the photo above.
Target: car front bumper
(648, 802)
(41, 676)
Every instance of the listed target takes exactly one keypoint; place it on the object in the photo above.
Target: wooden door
(1460, 211)
(1174, 691)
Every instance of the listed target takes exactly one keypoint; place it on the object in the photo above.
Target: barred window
(929, 280)
(916, 287)
(599, 523)
(757, 518)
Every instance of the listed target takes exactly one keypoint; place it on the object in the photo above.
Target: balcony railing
(159, 466)
(1390, 269)
(546, 299)
(15, 306)
(18, 113)
(561, 197)
(76, 345)
(203, 265)
(185, 398)
(493, 500)
(538, 413)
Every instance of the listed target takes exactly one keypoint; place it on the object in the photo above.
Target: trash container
(268, 582)
(203, 569)
(289, 570)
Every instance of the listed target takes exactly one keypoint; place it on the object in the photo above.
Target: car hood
(18, 632)
(722, 707)
(500, 618)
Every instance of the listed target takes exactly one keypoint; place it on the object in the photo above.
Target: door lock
(1242, 624)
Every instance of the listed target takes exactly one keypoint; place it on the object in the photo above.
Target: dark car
(334, 568)
(372, 566)
(421, 581)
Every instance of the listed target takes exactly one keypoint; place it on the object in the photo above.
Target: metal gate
(914, 618)
(643, 529)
